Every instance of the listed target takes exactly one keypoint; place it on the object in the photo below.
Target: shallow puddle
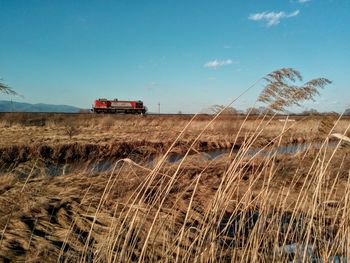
(286, 149)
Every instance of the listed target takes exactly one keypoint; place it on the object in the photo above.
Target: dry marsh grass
(110, 129)
(236, 209)
(245, 206)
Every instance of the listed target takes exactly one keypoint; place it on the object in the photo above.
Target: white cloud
(303, 1)
(217, 63)
(272, 18)
(227, 46)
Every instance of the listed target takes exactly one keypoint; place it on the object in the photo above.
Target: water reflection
(22, 170)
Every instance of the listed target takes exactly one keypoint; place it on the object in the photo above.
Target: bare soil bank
(77, 152)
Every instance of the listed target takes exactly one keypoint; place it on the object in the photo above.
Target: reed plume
(6, 89)
(281, 90)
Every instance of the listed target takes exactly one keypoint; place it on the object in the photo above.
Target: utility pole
(11, 105)
(158, 107)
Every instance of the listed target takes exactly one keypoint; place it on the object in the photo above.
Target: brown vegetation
(253, 204)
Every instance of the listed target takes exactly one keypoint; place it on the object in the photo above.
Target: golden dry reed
(251, 205)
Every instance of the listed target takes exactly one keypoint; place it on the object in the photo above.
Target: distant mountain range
(8, 106)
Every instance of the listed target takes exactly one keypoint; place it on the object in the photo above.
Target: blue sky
(187, 55)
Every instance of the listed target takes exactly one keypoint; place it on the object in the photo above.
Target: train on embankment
(119, 106)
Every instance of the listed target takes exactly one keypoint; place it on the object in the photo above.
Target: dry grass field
(53, 129)
(244, 206)
(28, 135)
(100, 188)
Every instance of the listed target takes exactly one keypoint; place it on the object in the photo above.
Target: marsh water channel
(106, 165)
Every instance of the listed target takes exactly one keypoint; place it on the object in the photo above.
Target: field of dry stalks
(177, 188)
(256, 203)
(69, 138)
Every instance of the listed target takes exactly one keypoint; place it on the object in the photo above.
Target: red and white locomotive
(118, 106)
